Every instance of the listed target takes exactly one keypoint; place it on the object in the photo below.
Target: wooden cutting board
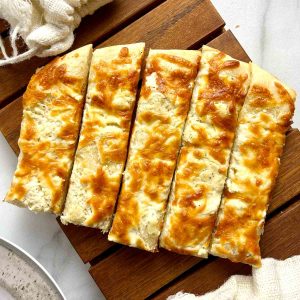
(127, 273)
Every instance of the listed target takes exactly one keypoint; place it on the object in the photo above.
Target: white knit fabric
(46, 26)
(275, 280)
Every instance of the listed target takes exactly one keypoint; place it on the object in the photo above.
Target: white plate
(22, 277)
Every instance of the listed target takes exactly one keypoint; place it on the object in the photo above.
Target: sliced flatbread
(264, 119)
(219, 93)
(161, 113)
(52, 110)
(102, 148)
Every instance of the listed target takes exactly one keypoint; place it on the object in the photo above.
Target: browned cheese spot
(104, 191)
(219, 91)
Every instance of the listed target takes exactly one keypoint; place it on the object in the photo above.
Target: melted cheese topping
(270, 103)
(102, 148)
(254, 164)
(219, 93)
(162, 109)
(52, 108)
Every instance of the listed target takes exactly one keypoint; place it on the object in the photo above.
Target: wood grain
(137, 272)
(281, 232)
(228, 43)
(191, 20)
(94, 28)
(287, 185)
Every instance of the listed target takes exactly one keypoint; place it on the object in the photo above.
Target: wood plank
(212, 276)
(137, 272)
(228, 43)
(280, 240)
(288, 184)
(113, 16)
(191, 20)
(165, 267)
(88, 242)
(92, 29)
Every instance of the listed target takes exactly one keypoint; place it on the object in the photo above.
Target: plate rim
(28, 258)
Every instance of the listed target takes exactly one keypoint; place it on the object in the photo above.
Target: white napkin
(46, 26)
(275, 280)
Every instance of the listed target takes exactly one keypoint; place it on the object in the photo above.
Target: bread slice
(264, 119)
(219, 93)
(52, 109)
(102, 148)
(161, 113)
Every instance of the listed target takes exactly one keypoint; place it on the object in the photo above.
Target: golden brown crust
(254, 165)
(162, 109)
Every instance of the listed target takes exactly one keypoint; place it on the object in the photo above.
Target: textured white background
(270, 33)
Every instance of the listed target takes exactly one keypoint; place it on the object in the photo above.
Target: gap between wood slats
(281, 240)
(102, 24)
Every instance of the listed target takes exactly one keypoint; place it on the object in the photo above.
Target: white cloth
(275, 280)
(46, 26)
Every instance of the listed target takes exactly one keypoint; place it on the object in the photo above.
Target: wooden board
(126, 273)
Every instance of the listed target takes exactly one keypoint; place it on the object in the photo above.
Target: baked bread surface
(264, 119)
(52, 109)
(161, 113)
(218, 96)
(102, 149)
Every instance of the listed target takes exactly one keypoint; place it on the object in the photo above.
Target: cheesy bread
(260, 137)
(102, 148)
(161, 113)
(219, 93)
(52, 110)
